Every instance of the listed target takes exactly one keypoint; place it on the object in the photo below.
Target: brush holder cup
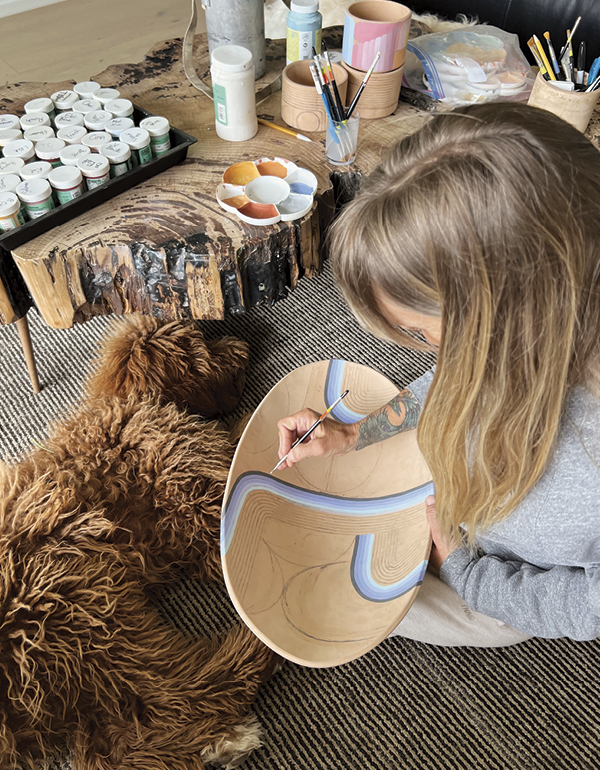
(301, 106)
(380, 96)
(576, 107)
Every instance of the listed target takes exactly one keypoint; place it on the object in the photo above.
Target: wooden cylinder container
(301, 105)
(380, 96)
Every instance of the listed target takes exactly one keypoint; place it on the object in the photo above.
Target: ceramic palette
(267, 190)
(324, 559)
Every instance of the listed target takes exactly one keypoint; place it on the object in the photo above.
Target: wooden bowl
(301, 105)
(323, 560)
(381, 94)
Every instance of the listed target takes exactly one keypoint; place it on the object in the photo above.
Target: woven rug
(405, 705)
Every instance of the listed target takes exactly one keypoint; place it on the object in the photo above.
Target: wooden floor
(77, 39)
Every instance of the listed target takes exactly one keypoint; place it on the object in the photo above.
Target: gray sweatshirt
(539, 569)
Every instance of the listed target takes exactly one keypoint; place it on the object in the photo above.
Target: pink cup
(376, 26)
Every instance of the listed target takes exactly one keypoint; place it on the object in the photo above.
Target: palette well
(266, 191)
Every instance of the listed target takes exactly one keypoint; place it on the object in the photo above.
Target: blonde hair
(489, 218)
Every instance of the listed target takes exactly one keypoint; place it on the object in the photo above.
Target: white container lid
(155, 125)
(120, 108)
(42, 104)
(10, 135)
(68, 119)
(87, 105)
(33, 170)
(71, 154)
(116, 125)
(117, 152)
(93, 165)
(95, 121)
(35, 120)
(96, 139)
(21, 148)
(86, 89)
(65, 177)
(71, 134)
(9, 182)
(233, 58)
(64, 100)
(34, 190)
(136, 138)
(304, 6)
(9, 121)
(38, 134)
(11, 165)
(9, 204)
(49, 149)
(106, 94)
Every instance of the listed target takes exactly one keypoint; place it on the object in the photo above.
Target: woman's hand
(440, 548)
(329, 439)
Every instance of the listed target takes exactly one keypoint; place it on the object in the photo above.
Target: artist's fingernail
(430, 500)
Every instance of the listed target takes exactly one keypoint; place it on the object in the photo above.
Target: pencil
(284, 130)
(312, 427)
(361, 88)
(544, 58)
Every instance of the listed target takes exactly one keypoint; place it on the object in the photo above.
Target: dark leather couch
(527, 17)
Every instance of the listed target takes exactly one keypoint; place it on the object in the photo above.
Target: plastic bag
(465, 66)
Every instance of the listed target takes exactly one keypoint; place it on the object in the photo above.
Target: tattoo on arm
(400, 414)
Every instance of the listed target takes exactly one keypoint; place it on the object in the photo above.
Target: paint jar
(9, 122)
(138, 141)
(95, 121)
(8, 136)
(11, 215)
(106, 95)
(11, 165)
(117, 125)
(83, 106)
(95, 170)
(49, 149)
(40, 169)
(67, 183)
(304, 26)
(70, 154)
(158, 128)
(21, 148)
(64, 100)
(43, 104)
(119, 157)
(36, 195)
(71, 134)
(120, 108)
(96, 139)
(35, 120)
(86, 89)
(9, 182)
(36, 135)
(232, 73)
(68, 120)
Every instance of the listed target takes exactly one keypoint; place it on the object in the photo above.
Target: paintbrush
(536, 56)
(570, 34)
(544, 58)
(311, 429)
(336, 93)
(361, 88)
(284, 130)
(552, 53)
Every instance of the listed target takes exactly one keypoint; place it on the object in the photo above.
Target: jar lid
(10, 135)
(38, 133)
(117, 125)
(96, 121)
(96, 139)
(233, 58)
(120, 108)
(67, 119)
(136, 138)
(155, 125)
(9, 204)
(304, 6)
(48, 149)
(71, 154)
(42, 104)
(93, 165)
(34, 120)
(86, 88)
(118, 152)
(64, 177)
(21, 148)
(34, 190)
(64, 100)
(9, 182)
(9, 121)
(32, 170)
(106, 94)
(87, 105)
(11, 165)
(71, 134)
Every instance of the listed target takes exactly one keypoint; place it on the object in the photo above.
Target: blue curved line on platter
(253, 481)
(333, 390)
(362, 575)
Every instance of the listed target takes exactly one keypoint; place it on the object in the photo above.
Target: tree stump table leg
(25, 337)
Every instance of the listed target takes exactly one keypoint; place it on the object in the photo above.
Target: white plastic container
(96, 140)
(11, 165)
(49, 149)
(158, 128)
(119, 157)
(138, 140)
(10, 135)
(68, 120)
(35, 120)
(95, 170)
(40, 169)
(120, 108)
(70, 154)
(10, 182)
(106, 95)
(21, 148)
(64, 100)
(86, 89)
(67, 183)
(84, 106)
(11, 215)
(36, 135)
(232, 72)
(96, 121)
(8, 122)
(36, 195)
(42, 104)
(71, 134)
(117, 125)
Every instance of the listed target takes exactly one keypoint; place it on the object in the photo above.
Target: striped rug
(405, 705)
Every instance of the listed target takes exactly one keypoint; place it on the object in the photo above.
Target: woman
(482, 232)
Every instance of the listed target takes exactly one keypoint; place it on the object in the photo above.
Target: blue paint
(301, 188)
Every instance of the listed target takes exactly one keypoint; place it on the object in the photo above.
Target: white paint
(12, 7)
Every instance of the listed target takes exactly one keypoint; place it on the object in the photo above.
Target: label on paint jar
(220, 95)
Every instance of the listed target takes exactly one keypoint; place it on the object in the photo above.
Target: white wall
(11, 7)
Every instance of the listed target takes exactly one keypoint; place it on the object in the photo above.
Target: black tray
(180, 141)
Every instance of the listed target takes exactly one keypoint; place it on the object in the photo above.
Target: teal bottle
(304, 26)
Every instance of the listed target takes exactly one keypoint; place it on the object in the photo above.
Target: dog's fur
(124, 496)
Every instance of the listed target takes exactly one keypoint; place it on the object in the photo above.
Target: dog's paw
(233, 749)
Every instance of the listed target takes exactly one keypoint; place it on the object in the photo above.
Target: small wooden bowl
(301, 105)
(381, 94)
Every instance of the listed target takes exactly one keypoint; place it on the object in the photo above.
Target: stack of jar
(68, 143)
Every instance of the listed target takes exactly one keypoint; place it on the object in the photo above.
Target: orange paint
(241, 173)
(237, 201)
(272, 168)
(259, 210)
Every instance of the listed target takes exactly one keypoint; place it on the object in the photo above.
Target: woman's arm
(398, 415)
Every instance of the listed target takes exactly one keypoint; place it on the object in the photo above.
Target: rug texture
(405, 705)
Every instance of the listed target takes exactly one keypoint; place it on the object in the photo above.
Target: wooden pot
(301, 105)
(380, 96)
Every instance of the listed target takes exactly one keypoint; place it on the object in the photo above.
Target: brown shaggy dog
(125, 495)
